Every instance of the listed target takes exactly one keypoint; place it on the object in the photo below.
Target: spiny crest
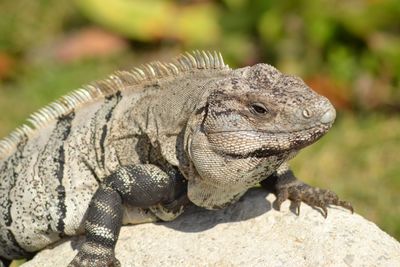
(121, 80)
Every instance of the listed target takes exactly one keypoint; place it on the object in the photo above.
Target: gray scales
(142, 145)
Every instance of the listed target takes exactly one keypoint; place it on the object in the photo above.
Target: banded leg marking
(141, 186)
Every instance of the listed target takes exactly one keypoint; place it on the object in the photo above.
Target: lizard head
(251, 123)
(264, 112)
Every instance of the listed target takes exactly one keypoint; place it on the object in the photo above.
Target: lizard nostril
(306, 113)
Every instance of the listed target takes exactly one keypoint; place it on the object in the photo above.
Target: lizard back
(51, 166)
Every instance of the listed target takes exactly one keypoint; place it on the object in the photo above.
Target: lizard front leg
(285, 186)
(139, 185)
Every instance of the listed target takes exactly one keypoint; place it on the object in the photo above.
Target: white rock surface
(249, 233)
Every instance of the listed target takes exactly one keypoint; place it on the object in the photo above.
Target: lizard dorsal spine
(119, 81)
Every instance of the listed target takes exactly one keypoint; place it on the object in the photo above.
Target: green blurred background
(348, 51)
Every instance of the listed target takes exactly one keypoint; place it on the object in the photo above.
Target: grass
(359, 158)
(45, 83)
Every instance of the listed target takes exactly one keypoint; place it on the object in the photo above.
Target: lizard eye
(258, 108)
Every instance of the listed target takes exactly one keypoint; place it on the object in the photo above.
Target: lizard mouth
(321, 127)
(262, 144)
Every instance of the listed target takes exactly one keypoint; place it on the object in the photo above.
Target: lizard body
(141, 145)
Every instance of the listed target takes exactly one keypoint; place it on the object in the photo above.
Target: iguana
(143, 144)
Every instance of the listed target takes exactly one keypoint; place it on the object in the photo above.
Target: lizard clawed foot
(315, 197)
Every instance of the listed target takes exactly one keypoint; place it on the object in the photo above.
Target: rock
(248, 233)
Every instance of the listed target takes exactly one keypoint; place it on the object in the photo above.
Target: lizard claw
(315, 197)
(296, 206)
(346, 205)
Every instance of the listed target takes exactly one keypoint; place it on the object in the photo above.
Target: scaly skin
(285, 186)
(141, 146)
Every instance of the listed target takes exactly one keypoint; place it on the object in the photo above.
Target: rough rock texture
(248, 233)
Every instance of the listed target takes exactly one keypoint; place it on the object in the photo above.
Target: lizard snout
(329, 116)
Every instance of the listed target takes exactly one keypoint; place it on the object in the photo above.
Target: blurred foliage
(25, 24)
(154, 20)
(346, 50)
(354, 44)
